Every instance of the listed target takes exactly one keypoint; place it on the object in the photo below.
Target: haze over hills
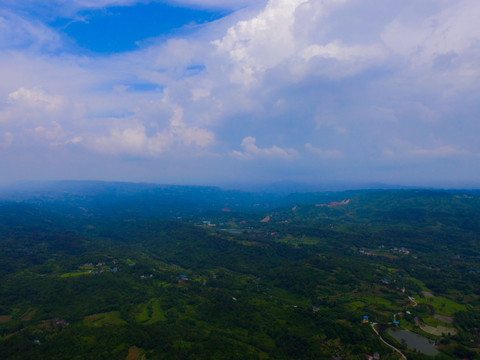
(142, 271)
(32, 189)
(280, 179)
(335, 148)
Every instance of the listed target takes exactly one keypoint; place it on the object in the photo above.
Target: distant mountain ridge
(117, 198)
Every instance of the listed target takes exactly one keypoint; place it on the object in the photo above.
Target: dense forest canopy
(137, 271)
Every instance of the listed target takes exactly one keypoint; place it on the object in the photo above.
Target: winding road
(394, 318)
(393, 347)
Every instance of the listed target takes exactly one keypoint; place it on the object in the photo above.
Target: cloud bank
(320, 90)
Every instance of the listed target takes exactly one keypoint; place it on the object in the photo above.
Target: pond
(414, 341)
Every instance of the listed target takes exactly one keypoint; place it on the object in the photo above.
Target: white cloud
(399, 150)
(34, 116)
(54, 132)
(134, 140)
(75, 140)
(191, 135)
(275, 37)
(261, 42)
(20, 32)
(440, 152)
(326, 154)
(199, 93)
(333, 71)
(7, 140)
(440, 50)
(252, 151)
(335, 50)
(36, 99)
(452, 30)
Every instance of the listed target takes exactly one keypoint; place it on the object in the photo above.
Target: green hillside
(291, 278)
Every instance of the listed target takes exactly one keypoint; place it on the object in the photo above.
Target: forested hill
(146, 199)
(116, 198)
(128, 271)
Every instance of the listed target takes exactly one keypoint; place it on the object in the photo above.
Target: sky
(220, 92)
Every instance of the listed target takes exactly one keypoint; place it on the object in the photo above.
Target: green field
(110, 318)
(442, 305)
(150, 312)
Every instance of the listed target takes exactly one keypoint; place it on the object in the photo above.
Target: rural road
(393, 347)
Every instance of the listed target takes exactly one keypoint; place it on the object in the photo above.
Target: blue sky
(125, 28)
(241, 91)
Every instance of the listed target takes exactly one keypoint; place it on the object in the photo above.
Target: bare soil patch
(439, 330)
(444, 318)
(135, 353)
(4, 318)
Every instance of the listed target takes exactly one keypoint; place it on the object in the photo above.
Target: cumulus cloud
(451, 31)
(326, 154)
(299, 72)
(335, 50)
(252, 151)
(273, 37)
(440, 48)
(134, 140)
(33, 116)
(36, 99)
(262, 42)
